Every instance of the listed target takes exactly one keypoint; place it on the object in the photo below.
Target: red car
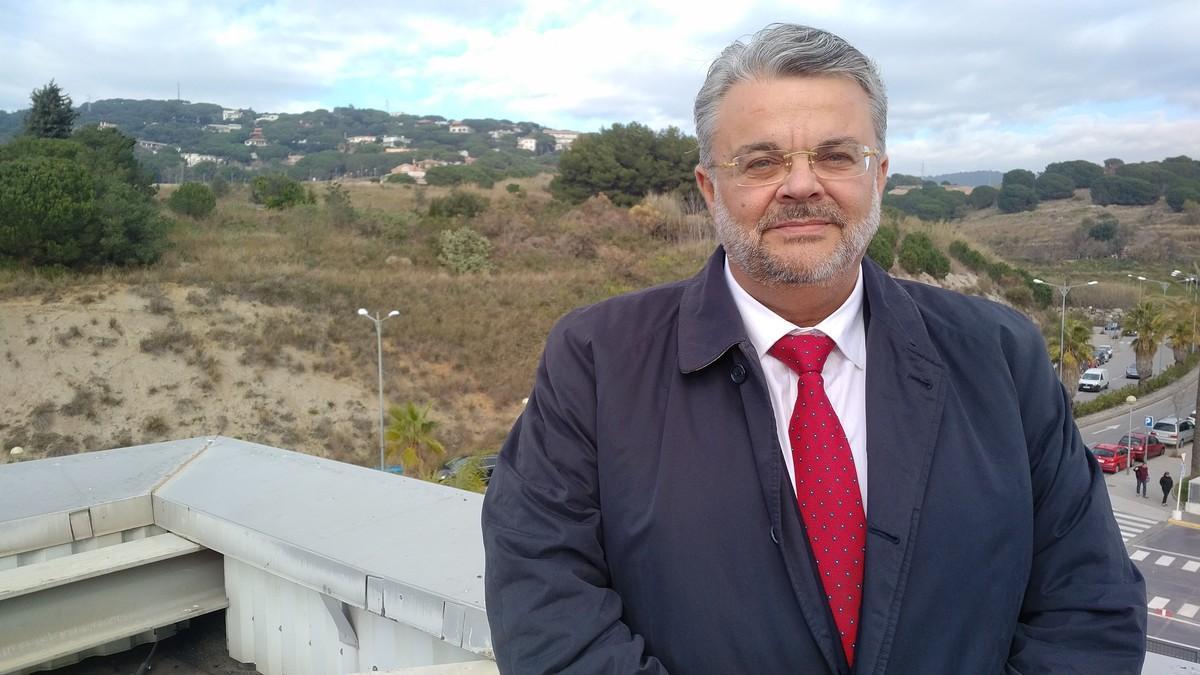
(1141, 446)
(1111, 457)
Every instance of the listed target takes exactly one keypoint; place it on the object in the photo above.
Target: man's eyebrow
(755, 147)
(761, 146)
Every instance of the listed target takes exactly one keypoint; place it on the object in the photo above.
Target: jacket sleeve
(549, 601)
(1084, 609)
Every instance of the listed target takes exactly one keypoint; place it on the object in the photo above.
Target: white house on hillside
(528, 143)
(362, 139)
(460, 128)
(562, 138)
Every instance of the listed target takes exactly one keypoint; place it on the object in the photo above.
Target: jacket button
(738, 374)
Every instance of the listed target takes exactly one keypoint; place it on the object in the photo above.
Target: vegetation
(1016, 197)
(458, 204)
(930, 202)
(983, 196)
(1082, 173)
(1054, 186)
(411, 440)
(1075, 352)
(882, 248)
(918, 254)
(1148, 319)
(1122, 190)
(75, 202)
(464, 250)
(1022, 177)
(625, 162)
(51, 114)
(192, 199)
(279, 192)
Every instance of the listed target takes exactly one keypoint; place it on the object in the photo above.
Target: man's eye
(761, 163)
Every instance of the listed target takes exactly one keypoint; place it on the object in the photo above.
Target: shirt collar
(764, 327)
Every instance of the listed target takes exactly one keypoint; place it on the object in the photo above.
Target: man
(793, 463)
(1166, 483)
(1142, 474)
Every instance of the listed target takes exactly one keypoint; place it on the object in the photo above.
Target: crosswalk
(1131, 525)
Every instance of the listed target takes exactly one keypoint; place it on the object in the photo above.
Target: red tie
(826, 484)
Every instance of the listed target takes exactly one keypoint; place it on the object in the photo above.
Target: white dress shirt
(845, 371)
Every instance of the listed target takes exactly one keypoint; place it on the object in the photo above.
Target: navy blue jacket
(640, 520)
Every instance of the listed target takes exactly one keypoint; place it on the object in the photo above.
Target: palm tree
(1078, 352)
(410, 434)
(1180, 337)
(1150, 323)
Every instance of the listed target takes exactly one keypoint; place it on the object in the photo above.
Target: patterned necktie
(826, 484)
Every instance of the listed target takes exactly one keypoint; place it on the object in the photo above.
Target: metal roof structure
(324, 567)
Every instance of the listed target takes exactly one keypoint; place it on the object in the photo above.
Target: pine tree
(51, 114)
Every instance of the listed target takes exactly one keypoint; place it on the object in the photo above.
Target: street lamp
(1192, 283)
(1129, 435)
(1062, 323)
(379, 346)
(1163, 284)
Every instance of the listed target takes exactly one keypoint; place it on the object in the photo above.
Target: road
(1122, 358)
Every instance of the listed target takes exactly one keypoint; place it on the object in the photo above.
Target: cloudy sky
(972, 85)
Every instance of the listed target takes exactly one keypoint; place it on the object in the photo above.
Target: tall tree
(1075, 356)
(1150, 323)
(410, 434)
(51, 114)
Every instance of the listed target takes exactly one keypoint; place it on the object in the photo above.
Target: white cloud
(972, 84)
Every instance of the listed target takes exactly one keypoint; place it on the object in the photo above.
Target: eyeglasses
(833, 161)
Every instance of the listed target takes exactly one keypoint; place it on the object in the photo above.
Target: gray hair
(779, 50)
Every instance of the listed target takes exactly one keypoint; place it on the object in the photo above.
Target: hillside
(1159, 236)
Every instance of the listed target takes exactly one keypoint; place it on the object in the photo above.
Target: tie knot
(803, 353)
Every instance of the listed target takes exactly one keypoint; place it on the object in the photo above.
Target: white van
(1093, 379)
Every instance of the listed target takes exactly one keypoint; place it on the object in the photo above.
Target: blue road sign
(1149, 421)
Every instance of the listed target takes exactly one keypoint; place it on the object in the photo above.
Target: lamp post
(1129, 434)
(1178, 514)
(1062, 323)
(1192, 284)
(379, 347)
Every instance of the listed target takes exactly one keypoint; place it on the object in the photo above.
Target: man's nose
(800, 183)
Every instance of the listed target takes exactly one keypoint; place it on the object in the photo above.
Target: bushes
(192, 199)
(465, 204)
(983, 196)
(1177, 195)
(1016, 198)
(1112, 399)
(918, 254)
(882, 248)
(464, 250)
(278, 192)
(63, 203)
(1021, 177)
(1054, 186)
(1082, 173)
(1122, 190)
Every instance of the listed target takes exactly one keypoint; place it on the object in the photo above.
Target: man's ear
(881, 179)
(705, 183)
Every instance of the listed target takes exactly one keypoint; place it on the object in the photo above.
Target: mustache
(826, 212)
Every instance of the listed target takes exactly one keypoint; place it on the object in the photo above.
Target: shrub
(402, 179)
(1016, 198)
(277, 191)
(192, 199)
(1054, 186)
(918, 254)
(1123, 190)
(338, 206)
(1019, 177)
(882, 248)
(1082, 173)
(219, 186)
(464, 204)
(464, 250)
(63, 204)
(1177, 195)
(983, 196)
(512, 188)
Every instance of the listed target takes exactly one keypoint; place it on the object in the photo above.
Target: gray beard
(745, 249)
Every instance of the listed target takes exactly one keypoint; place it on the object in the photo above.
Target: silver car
(1172, 431)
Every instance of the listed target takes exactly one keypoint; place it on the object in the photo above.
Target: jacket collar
(709, 321)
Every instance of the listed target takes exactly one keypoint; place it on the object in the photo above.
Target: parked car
(1131, 373)
(1172, 431)
(1143, 443)
(1106, 351)
(1093, 379)
(1111, 457)
(1192, 418)
(486, 464)
(1113, 329)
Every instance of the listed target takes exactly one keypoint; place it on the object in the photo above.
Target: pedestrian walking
(1165, 482)
(1142, 473)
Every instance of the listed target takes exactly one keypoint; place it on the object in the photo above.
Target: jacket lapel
(906, 389)
(709, 326)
